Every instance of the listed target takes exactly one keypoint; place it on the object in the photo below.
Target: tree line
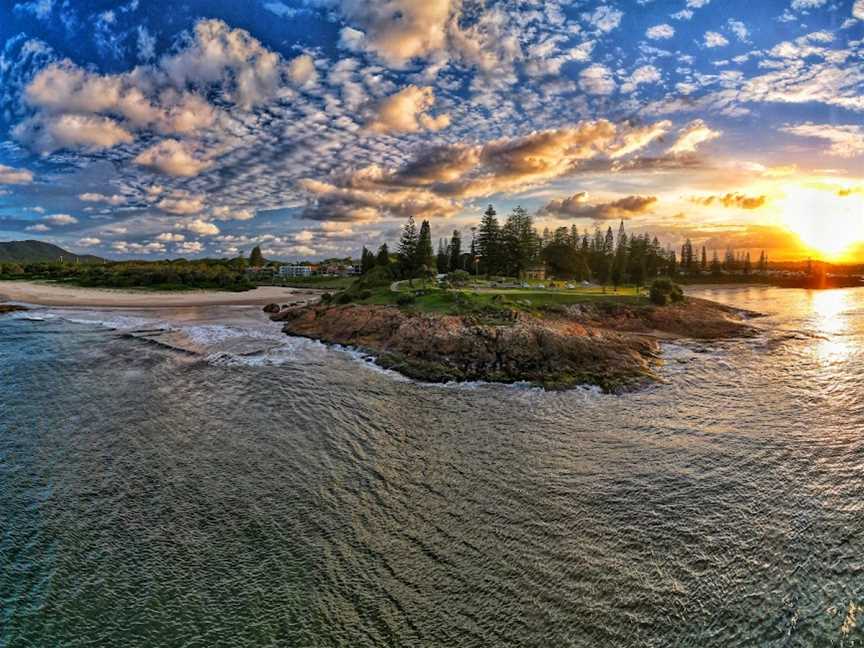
(515, 246)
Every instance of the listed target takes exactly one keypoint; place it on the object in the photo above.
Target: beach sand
(48, 294)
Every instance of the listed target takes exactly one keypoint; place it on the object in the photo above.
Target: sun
(829, 224)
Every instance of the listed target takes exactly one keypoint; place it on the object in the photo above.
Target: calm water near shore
(295, 495)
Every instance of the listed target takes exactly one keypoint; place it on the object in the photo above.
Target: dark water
(301, 498)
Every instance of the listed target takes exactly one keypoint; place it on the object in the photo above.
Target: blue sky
(150, 129)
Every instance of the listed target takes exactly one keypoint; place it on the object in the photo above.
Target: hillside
(38, 251)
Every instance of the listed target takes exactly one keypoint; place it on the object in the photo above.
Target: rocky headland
(613, 346)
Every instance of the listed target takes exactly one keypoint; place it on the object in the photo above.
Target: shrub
(406, 299)
(377, 277)
(459, 278)
(343, 298)
(326, 298)
(664, 291)
(364, 294)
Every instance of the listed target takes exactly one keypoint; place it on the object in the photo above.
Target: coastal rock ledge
(613, 346)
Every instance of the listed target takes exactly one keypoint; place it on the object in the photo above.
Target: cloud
(61, 219)
(597, 80)
(301, 70)
(695, 133)
(799, 5)
(577, 206)
(225, 213)
(146, 44)
(645, 74)
(407, 112)
(202, 228)
(660, 32)
(114, 200)
(731, 200)
(847, 140)
(173, 158)
(11, 176)
(89, 242)
(858, 9)
(52, 133)
(604, 18)
(170, 237)
(181, 203)
(739, 29)
(714, 39)
(39, 8)
(398, 31)
(436, 181)
(153, 247)
(38, 228)
(190, 247)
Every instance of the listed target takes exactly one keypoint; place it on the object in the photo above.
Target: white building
(293, 270)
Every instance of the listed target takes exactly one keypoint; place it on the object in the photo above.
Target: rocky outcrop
(11, 308)
(271, 308)
(613, 346)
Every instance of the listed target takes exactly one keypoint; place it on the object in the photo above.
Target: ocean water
(270, 491)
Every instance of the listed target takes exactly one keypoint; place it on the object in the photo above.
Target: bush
(459, 278)
(377, 277)
(665, 291)
(326, 298)
(364, 294)
(406, 299)
(343, 298)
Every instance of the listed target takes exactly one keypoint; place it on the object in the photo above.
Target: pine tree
(408, 249)
(455, 251)
(256, 259)
(747, 265)
(443, 258)
(424, 256)
(489, 242)
(704, 265)
(716, 268)
(367, 261)
(383, 256)
(609, 242)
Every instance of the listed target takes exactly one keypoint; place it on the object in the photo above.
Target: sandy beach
(48, 294)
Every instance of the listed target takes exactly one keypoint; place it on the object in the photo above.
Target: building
(534, 273)
(294, 270)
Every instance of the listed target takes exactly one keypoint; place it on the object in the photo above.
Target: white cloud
(858, 9)
(695, 133)
(190, 247)
(61, 219)
(225, 213)
(407, 112)
(11, 176)
(641, 75)
(659, 32)
(89, 242)
(847, 140)
(114, 200)
(301, 70)
(713, 39)
(170, 237)
(202, 227)
(597, 80)
(604, 18)
(739, 29)
(38, 228)
(51, 133)
(798, 5)
(173, 158)
(146, 44)
(181, 203)
(39, 8)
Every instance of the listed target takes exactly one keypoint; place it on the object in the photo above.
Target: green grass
(490, 304)
(322, 283)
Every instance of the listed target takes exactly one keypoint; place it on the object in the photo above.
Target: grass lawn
(467, 301)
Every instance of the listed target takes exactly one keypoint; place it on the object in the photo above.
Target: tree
(424, 256)
(748, 266)
(716, 268)
(489, 242)
(455, 251)
(408, 249)
(704, 264)
(442, 260)
(383, 257)
(367, 261)
(256, 259)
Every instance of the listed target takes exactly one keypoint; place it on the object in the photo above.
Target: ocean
(272, 491)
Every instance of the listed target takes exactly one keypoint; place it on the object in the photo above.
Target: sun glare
(827, 223)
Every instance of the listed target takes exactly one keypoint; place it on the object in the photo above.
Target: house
(294, 270)
(534, 273)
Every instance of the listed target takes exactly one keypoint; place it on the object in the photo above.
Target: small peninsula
(610, 341)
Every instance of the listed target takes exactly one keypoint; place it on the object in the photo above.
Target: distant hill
(40, 252)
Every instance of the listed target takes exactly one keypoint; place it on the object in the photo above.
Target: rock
(11, 308)
(272, 308)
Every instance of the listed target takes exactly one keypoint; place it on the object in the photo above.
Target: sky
(151, 129)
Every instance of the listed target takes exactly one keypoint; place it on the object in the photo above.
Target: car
(525, 285)
(570, 286)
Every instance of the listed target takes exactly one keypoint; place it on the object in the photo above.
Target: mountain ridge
(32, 251)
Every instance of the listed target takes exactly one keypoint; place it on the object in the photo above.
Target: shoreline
(60, 296)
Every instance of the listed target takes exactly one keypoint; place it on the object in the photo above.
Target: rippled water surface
(299, 497)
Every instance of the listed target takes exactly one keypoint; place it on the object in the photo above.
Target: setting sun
(830, 224)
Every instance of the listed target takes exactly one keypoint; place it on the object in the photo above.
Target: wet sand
(49, 294)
